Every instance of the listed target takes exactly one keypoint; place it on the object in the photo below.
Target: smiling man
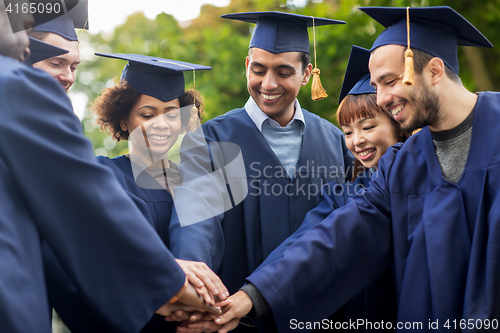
(60, 32)
(288, 152)
(432, 209)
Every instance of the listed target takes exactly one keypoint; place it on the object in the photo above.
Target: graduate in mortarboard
(288, 152)
(150, 108)
(54, 190)
(431, 210)
(60, 31)
(369, 132)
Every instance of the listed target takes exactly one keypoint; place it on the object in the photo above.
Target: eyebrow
(61, 58)
(281, 66)
(384, 77)
(168, 108)
(147, 107)
(362, 120)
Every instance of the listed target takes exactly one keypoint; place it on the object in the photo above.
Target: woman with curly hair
(150, 108)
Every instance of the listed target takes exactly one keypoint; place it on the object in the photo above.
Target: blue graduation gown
(156, 205)
(377, 301)
(53, 189)
(159, 203)
(442, 238)
(256, 226)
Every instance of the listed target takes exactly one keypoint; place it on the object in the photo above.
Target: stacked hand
(198, 295)
(234, 308)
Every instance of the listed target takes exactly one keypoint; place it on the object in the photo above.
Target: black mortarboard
(157, 77)
(278, 32)
(64, 25)
(435, 30)
(41, 51)
(357, 74)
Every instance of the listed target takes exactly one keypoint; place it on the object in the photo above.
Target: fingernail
(216, 291)
(218, 320)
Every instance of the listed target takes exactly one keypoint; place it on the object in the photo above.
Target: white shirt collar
(258, 116)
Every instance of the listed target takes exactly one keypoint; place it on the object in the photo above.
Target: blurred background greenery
(223, 44)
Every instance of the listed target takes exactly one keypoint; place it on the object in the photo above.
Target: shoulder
(18, 81)
(115, 162)
(228, 117)
(320, 123)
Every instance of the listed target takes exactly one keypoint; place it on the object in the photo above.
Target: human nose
(358, 139)
(160, 122)
(66, 76)
(383, 97)
(269, 81)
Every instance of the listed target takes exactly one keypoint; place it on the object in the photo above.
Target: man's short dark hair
(421, 59)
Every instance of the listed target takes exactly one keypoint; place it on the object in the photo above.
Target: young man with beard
(432, 209)
(53, 189)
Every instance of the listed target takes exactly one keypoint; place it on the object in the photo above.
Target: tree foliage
(223, 44)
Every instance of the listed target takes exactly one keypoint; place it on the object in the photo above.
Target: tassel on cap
(317, 90)
(194, 118)
(409, 67)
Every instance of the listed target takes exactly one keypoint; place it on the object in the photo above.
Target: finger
(207, 296)
(195, 316)
(194, 279)
(223, 303)
(212, 309)
(205, 326)
(231, 325)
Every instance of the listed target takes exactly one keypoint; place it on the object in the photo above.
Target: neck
(287, 116)
(456, 104)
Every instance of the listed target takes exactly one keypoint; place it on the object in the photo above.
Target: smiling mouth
(397, 110)
(366, 152)
(158, 137)
(271, 97)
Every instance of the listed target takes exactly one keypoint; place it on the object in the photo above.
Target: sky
(105, 15)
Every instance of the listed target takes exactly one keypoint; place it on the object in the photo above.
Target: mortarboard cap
(357, 74)
(435, 30)
(64, 25)
(278, 32)
(41, 51)
(157, 77)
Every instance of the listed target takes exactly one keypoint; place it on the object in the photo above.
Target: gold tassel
(317, 90)
(416, 131)
(409, 68)
(194, 120)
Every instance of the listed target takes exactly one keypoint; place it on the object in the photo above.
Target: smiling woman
(150, 108)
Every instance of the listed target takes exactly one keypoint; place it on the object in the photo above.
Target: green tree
(223, 44)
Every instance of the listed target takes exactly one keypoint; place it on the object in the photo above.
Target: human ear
(123, 125)
(307, 74)
(436, 68)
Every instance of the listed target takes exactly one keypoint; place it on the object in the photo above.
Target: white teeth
(271, 97)
(158, 137)
(366, 152)
(397, 110)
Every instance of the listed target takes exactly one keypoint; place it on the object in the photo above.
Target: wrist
(181, 291)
